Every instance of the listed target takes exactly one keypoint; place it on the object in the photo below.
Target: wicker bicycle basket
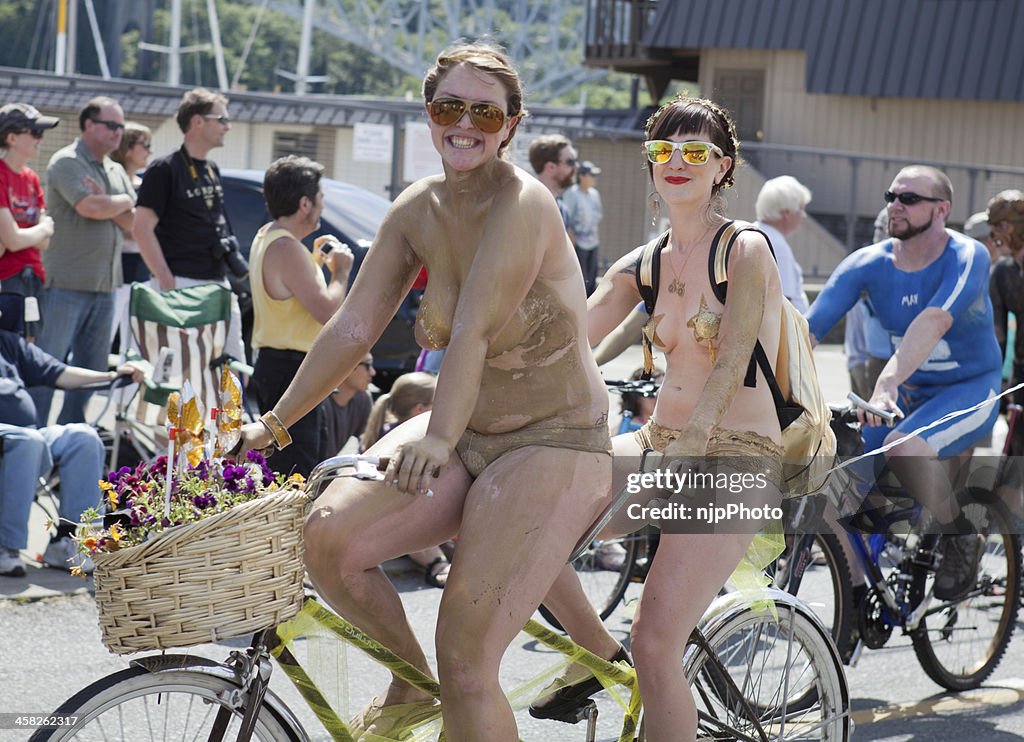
(234, 573)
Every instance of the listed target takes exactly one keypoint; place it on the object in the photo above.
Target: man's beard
(566, 181)
(910, 230)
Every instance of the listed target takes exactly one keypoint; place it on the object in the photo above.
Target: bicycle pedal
(583, 713)
(575, 715)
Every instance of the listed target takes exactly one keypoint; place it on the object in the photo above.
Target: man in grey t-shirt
(92, 203)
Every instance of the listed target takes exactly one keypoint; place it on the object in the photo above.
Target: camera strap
(216, 197)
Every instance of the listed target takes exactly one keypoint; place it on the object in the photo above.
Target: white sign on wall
(420, 157)
(372, 142)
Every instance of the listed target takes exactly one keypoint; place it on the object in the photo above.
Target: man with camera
(292, 300)
(181, 226)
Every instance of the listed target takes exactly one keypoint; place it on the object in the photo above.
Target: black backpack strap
(718, 260)
(648, 275)
(648, 270)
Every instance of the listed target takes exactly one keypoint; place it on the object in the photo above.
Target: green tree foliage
(19, 20)
(350, 69)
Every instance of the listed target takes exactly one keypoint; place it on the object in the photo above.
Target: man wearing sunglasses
(553, 159)
(928, 287)
(92, 202)
(182, 228)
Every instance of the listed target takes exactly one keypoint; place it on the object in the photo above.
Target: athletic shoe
(10, 563)
(563, 703)
(63, 554)
(958, 573)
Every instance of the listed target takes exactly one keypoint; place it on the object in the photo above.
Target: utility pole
(67, 27)
(218, 50)
(301, 76)
(62, 36)
(175, 49)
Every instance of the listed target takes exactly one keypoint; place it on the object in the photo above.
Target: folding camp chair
(182, 332)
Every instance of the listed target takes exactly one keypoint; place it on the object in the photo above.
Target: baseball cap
(588, 168)
(24, 116)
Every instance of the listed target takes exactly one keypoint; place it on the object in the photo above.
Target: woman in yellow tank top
(291, 298)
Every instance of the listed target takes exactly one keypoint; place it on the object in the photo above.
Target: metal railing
(848, 186)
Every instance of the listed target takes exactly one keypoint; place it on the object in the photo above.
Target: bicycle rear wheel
(604, 586)
(959, 643)
(784, 677)
(136, 704)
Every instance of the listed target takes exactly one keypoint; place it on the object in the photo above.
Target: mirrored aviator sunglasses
(659, 151)
(487, 117)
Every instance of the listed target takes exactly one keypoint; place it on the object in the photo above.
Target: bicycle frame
(734, 709)
(277, 644)
(610, 673)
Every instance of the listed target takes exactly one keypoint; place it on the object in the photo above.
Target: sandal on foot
(437, 572)
(563, 703)
(392, 722)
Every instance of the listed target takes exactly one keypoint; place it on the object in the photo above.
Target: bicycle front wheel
(604, 571)
(959, 643)
(782, 677)
(136, 704)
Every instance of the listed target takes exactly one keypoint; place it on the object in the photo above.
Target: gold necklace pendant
(705, 325)
(677, 288)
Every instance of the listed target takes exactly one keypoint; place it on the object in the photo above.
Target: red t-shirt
(21, 194)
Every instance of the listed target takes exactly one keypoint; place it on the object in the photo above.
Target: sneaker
(958, 572)
(63, 554)
(611, 556)
(564, 701)
(10, 563)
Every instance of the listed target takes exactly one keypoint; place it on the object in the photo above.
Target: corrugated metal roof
(951, 49)
(49, 92)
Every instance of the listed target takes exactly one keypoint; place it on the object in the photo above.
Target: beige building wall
(624, 187)
(373, 176)
(968, 132)
(816, 250)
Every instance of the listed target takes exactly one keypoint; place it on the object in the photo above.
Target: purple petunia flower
(256, 457)
(233, 477)
(204, 501)
(202, 470)
(159, 466)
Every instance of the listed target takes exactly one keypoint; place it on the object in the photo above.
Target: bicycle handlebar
(889, 417)
(366, 467)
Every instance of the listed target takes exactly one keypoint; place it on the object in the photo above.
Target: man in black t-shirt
(181, 226)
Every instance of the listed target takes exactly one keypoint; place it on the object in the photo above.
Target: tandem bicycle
(763, 668)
